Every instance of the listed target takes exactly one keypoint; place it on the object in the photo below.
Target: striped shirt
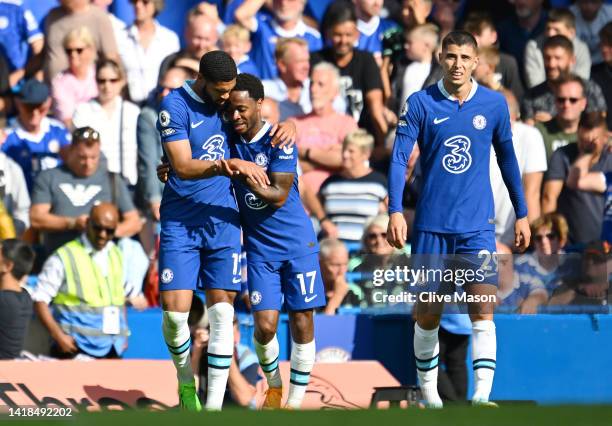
(349, 203)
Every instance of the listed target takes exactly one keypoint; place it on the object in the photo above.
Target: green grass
(523, 415)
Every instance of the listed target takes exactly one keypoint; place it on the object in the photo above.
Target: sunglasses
(563, 100)
(145, 2)
(86, 133)
(107, 80)
(375, 235)
(78, 50)
(549, 236)
(99, 228)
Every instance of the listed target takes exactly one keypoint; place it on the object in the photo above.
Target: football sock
(484, 347)
(220, 352)
(177, 337)
(426, 350)
(302, 361)
(268, 360)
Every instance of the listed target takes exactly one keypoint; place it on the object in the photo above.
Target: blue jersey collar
(190, 92)
(450, 97)
(262, 132)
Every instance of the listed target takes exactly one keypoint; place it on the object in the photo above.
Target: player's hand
(66, 343)
(397, 231)
(522, 234)
(283, 134)
(246, 169)
(163, 171)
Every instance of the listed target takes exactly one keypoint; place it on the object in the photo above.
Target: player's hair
(570, 78)
(20, 254)
(558, 41)
(360, 138)
(605, 34)
(562, 15)
(282, 47)
(592, 120)
(328, 245)
(81, 34)
(555, 221)
(217, 66)
(489, 54)
(459, 38)
(338, 12)
(428, 33)
(110, 63)
(249, 83)
(327, 66)
(477, 22)
(236, 31)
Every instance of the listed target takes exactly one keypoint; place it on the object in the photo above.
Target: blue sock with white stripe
(484, 348)
(268, 360)
(178, 340)
(426, 354)
(220, 353)
(302, 361)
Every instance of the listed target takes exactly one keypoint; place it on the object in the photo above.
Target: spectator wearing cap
(35, 141)
(114, 118)
(16, 261)
(143, 46)
(62, 197)
(284, 21)
(200, 36)
(591, 17)
(602, 73)
(570, 102)
(20, 39)
(559, 22)
(67, 17)
(14, 194)
(583, 209)
(559, 58)
(77, 83)
(83, 281)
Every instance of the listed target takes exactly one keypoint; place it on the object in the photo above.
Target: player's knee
(221, 313)
(265, 329)
(427, 321)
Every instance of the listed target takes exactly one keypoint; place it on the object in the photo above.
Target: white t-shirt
(414, 77)
(531, 157)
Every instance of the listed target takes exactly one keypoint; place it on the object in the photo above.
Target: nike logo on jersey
(80, 195)
(194, 125)
(310, 299)
(237, 280)
(440, 120)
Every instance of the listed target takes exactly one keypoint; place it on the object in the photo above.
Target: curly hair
(217, 66)
(249, 83)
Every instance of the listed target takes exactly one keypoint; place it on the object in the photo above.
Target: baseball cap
(33, 92)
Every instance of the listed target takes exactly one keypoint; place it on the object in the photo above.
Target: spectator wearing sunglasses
(570, 101)
(83, 281)
(62, 197)
(78, 82)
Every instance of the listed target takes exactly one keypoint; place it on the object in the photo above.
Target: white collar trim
(450, 97)
(299, 29)
(368, 28)
(262, 132)
(45, 126)
(190, 92)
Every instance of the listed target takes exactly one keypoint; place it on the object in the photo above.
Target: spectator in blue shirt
(35, 141)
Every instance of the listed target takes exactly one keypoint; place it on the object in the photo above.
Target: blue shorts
(194, 258)
(299, 280)
(474, 251)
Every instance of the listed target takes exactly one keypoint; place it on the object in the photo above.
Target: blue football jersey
(184, 115)
(455, 145)
(35, 153)
(18, 28)
(371, 34)
(264, 40)
(272, 234)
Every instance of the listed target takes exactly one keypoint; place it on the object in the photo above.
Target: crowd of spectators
(79, 92)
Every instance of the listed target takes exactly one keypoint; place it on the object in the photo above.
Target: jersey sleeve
(283, 160)
(411, 117)
(503, 130)
(29, 26)
(173, 120)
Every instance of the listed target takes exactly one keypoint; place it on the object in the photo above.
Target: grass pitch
(453, 416)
